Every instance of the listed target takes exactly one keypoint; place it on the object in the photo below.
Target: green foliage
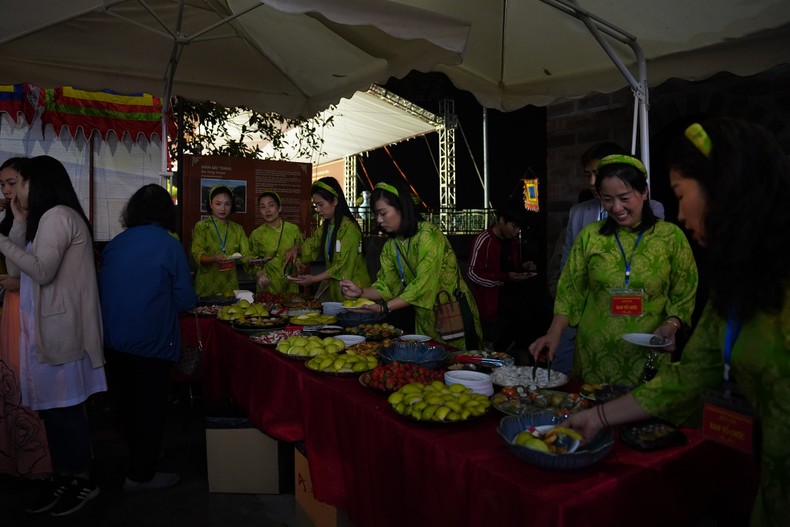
(212, 129)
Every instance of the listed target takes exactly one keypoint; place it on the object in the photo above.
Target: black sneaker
(49, 496)
(79, 492)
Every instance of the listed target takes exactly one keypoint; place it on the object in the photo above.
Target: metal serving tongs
(483, 361)
(536, 364)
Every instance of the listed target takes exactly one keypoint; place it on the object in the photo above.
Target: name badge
(227, 265)
(728, 419)
(626, 302)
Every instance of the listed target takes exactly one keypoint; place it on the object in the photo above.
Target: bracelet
(385, 308)
(602, 416)
(675, 323)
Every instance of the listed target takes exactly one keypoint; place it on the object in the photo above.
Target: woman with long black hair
(61, 341)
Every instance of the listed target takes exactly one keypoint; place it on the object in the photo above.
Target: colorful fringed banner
(104, 111)
(531, 195)
(16, 99)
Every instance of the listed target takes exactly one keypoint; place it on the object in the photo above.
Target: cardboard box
(245, 460)
(309, 511)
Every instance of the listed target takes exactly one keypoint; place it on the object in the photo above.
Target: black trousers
(139, 387)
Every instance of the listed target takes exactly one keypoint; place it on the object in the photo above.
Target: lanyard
(329, 242)
(400, 265)
(730, 336)
(222, 241)
(628, 261)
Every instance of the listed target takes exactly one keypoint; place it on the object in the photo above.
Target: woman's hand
(668, 329)
(263, 280)
(16, 208)
(290, 255)
(545, 346)
(307, 279)
(9, 283)
(587, 423)
(350, 289)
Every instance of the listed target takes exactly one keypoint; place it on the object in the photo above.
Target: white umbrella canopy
(529, 52)
(294, 57)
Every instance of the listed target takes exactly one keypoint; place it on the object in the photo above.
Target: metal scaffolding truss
(447, 161)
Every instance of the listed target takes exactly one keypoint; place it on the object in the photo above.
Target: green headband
(388, 188)
(273, 193)
(622, 159)
(216, 187)
(326, 187)
(699, 138)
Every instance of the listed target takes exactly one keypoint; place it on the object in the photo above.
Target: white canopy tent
(366, 121)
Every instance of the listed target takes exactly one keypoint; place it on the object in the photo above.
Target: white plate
(522, 375)
(415, 338)
(294, 278)
(239, 257)
(643, 339)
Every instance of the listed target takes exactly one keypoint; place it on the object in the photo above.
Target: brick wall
(574, 125)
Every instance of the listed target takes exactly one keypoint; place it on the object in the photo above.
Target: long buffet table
(387, 471)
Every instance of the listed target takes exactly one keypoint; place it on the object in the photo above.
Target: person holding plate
(338, 241)
(417, 262)
(738, 356)
(216, 242)
(268, 244)
(627, 273)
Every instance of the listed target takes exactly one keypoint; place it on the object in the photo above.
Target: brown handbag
(449, 317)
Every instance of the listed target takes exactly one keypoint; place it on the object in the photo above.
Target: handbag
(189, 362)
(449, 318)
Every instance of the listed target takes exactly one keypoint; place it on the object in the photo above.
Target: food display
(517, 400)
(313, 318)
(243, 309)
(523, 375)
(302, 303)
(207, 311)
(299, 346)
(437, 402)
(272, 338)
(601, 393)
(396, 375)
(341, 363)
(551, 439)
(375, 331)
(357, 302)
(368, 348)
(480, 360)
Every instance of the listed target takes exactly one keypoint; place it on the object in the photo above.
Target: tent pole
(486, 200)
(597, 27)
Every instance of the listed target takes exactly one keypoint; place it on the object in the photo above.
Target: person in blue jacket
(144, 284)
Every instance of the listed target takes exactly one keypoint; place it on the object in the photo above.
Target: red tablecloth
(388, 471)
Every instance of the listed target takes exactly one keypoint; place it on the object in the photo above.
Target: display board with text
(246, 178)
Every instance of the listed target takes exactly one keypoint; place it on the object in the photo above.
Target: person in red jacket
(495, 269)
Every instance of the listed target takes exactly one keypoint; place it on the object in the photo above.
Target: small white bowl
(332, 308)
(350, 340)
(476, 381)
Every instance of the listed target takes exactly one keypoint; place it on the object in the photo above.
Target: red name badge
(227, 265)
(728, 424)
(627, 305)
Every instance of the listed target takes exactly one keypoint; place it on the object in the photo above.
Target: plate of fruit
(600, 393)
(341, 364)
(377, 331)
(396, 375)
(272, 338)
(438, 403)
(301, 347)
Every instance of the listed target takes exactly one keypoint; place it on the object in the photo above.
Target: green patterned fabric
(429, 265)
(210, 281)
(348, 262)
(662, 265)
(265, 242)
(761, 367)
